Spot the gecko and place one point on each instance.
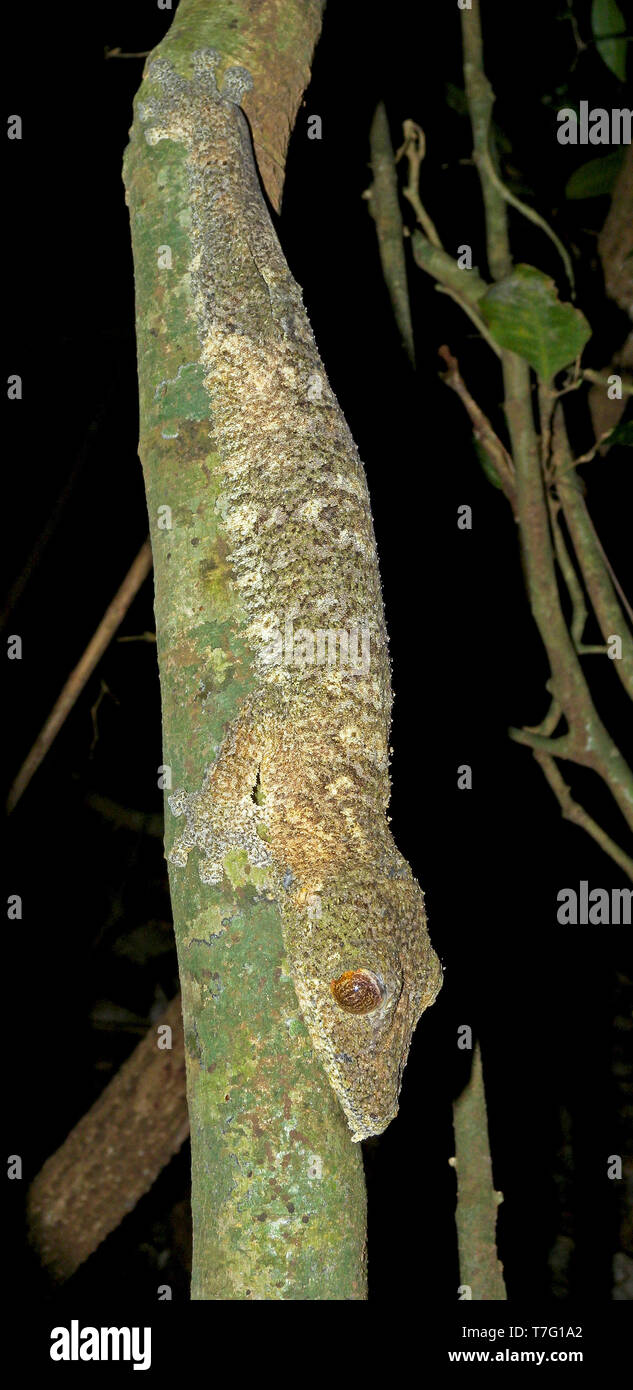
(301, 780)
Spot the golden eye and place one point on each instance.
(357, 991)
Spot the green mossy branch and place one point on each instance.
(384, 205)
(277, 1186)
(480, 1270)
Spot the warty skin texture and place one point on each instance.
(301, 782)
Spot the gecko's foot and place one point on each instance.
(216, 826)
(169, 94)
(205, 64)
(235, 83)
(179, 852)
(178, 801)
(236, 80)
(177, 104)
(210, 870)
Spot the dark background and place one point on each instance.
(92, 961)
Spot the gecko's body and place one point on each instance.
(301, 781)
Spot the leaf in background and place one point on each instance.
(487, 464)
(525, 315)
(596, 177)
(607, 18)
(456, 99)
(622, 434)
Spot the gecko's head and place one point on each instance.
(364, 970)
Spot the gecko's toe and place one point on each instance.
(210, 871)
(236, 82)
(179, 853)
(160, 70)
(205, 62)
(258, 855)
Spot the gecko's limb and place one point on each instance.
(226, 813)
(176, 107)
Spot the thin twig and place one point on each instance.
(482, 429)
(529, 213)
(384, 205)
(473, 316)
(112, 617)
(590, 454)
(550, 723)
(477, 1202)
(588, 742)
(117, 53)
(561, 747)
(414, 149)
(466, 287)
(599, 380)
(574, 587)
(575, 813)
(609, 603)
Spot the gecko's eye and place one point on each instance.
(357, 991)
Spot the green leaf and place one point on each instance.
(487, 464)
(607, 18)
(456, 99)
(525, 315)
(596, 177)
(622, 434)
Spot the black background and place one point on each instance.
(82, 982)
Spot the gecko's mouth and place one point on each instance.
(370, 1107)
(364, 1125)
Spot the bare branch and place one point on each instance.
(477, 1201)
(384, 205)
(111, 620)
(113, 1155)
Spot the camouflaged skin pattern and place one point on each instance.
(301, 782)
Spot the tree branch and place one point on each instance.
(575, 813)
(113, 1155)
(477, 1202)
(111, 620)
(588, 742)
(278, 1196)
(384, 205)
